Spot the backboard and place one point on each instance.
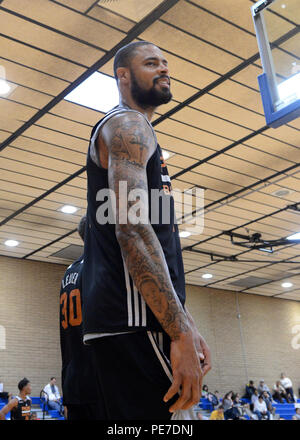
(278, 36)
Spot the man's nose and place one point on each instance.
(163, 69)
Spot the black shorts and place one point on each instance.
(134, 374)
(91, 411)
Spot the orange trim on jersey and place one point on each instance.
(63, 300)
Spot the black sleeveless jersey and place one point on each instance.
(23, 410)
(112, 303)
(78, 374)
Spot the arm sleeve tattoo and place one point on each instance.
(130, 142)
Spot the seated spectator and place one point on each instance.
(260, 408)
(288, 386)
(227, 401)
(268, 401)
(217, 394)
(250, 388)
(242, 407)
(279, 392)
(218, 413)
(233, 413)
(236, 398)
(254, 398)
(53, 396)
(263, 387)
(214, 399)
(297, 414)
(204, 391)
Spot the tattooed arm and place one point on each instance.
(130, 143)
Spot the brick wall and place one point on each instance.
(259, 345)
(29, 314)
(29, 305)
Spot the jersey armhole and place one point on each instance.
(93, 151)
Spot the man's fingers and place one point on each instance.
(195, 397)
(206, 363)
(205, 368)
(185, 396)
(174, 389)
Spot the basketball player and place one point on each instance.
(150, 355)
(19, 406)
(79, 384)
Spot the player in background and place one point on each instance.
(79, 383)
(19, 406)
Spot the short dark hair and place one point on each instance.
(81, 227)
(53, 378)
(23, 383)
(126, 53)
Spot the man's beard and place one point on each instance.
(151, 97)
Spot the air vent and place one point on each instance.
(71, 252)
(249, 282)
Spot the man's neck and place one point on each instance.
(130, 103)
(22, 395)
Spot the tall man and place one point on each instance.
(151, 357)
(79, 383)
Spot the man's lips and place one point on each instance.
(164, 82)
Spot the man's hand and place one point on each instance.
(187, 373)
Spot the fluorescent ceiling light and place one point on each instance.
(294, 236)
(289, 90)
(68, 209)
(4, 87)
(11, 243)
(286, 285)
(207, 275)
(184, 234)
(98, 91)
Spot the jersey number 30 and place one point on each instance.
(75, 313)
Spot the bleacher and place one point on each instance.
(282, 410)
(38, 408)
(285, 410)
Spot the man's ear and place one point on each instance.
(123, 74)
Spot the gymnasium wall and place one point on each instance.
(261, 344)
(29, 305)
